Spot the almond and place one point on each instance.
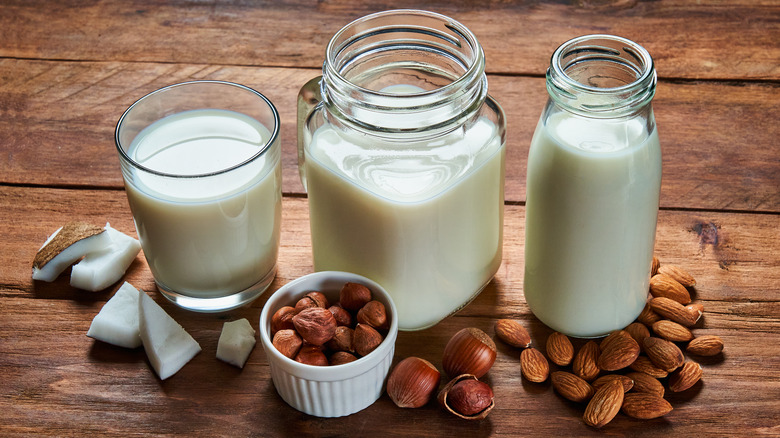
(707, 345)
(696, 310)
(665, 286)
(571, 387)
(645, 406)
(627, 382)
(643, 364)
(638, 331)
(664, 354)
(685, 377)
(513, 333)
(678, 274)
(671, 331)
(604, 405)
(534, 365)
(644, 382)
(673, 310)
(559, 349)
(654, 266)
(648, 316)
(585, 364)
(621, 351)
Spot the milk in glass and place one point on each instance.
(206, 237)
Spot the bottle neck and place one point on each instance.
(601, 76)
(404, 72)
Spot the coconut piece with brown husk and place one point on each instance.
(67, 245)
(100, 269)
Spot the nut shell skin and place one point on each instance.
(353, 296)
(412, 382)
(315, 325)
(469, 351)
(444, 398)
(365, 339)
(282, 319)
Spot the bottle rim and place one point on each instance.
(594, 100)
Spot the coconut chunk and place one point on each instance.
(100, 269)
(236, 342)
(63, 248)
(168, 346)
(117, 321)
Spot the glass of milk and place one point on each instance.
(401, 150)
(593, 183)
(202, 172)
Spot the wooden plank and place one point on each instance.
(518, 37)
(57, 381)
(718, 139)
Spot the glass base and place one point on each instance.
(218, 304)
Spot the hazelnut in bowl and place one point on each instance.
(329, 338)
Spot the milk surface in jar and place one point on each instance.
(206, 238)
(403, 161)
(593, 185)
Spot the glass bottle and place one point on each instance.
(401, 151)
(593, 184)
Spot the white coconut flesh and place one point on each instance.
(102, 268)
(168, 346)
(236, 342)
(117, 321)
(67, 245)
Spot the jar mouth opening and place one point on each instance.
(624, 64)
(441, 39)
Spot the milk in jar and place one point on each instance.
(593, 186)
(401, 151)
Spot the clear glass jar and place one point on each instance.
(593, 184)
(401, 151)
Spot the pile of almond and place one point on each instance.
(627, 370)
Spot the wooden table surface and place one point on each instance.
(68, 70)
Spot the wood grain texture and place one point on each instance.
(57, 381)
(687, 39)
(68, 69)
(718, 139)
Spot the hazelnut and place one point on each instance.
(305, 303)
(341, 357)
(366, 339)
(342, 339)
(373, 314)
(315, 325)
(412, 382)
(469, 351)
(353, 296)
(311, 355)
(287, 342)
(319, 298)
(343, 318)
(282, 319)
(466, 397)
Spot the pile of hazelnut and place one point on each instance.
(468, 356)
(314, 332)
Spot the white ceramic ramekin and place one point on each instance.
(328, 391)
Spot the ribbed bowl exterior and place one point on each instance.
(332, 398)
(331, 391)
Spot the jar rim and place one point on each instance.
(637, 52)
(339, 42)
(601, 59)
